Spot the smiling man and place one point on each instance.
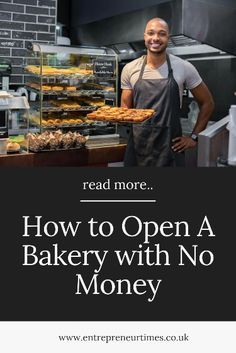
(156, 81)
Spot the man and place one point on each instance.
(156, 82)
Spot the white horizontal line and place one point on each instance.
(144, 201)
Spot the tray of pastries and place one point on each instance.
(57, 71)
(62, 122)
(65, 105)
(51, 88)
(56, 140)
(121, 115)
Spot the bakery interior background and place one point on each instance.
(202, 32)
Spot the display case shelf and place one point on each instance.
(73, 93)
(61, 110)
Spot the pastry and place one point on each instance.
(78, 121)
(57, 88)
(50, 122)
(58, 121)
(46, 88)
(70, 88)
(13, 147)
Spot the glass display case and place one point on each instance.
(66, 83)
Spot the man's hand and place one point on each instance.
(183, 143)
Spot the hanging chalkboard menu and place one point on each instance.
(104, 68)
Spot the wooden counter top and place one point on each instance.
(96, 156)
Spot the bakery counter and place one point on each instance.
(85, 157)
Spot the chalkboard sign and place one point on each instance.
(110, 101)
(104, 68)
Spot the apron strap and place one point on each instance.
(170, 70)
(143, 67)
(169, 66)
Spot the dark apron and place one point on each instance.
(150, 143)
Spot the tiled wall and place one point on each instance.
(23, 21)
